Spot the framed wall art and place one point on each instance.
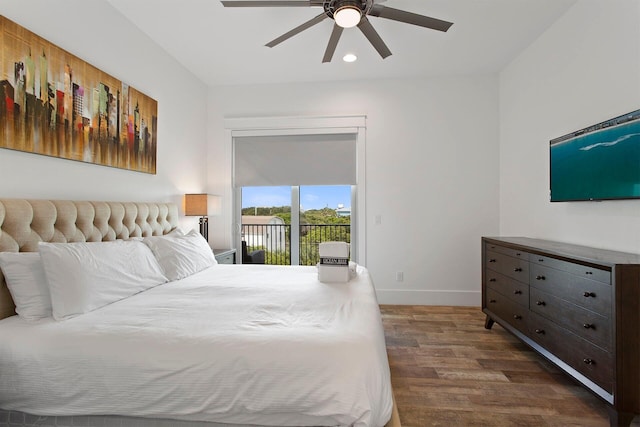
(55, 104)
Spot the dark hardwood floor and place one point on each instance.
(448, 370)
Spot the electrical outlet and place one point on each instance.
(399, 276)
(378, 219)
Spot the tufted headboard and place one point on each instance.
(24, 223)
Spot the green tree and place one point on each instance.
(266, 211)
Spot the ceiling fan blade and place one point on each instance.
(268, 3)
(298, 29)
(409, 18)
(333, 43)
(374, 38)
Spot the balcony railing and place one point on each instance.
(275, 240)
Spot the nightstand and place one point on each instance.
(225, 256)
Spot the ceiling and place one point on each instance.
(225, 46)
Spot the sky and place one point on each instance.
(311, 197)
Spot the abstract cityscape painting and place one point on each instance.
(54, 103)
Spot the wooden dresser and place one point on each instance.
(577, 306)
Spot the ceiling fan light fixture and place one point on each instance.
(347, 16)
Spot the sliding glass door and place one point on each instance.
(289, 222)
(318, 171)
(265, 223)
(325, 216)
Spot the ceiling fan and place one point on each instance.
(346, 14)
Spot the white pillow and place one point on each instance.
(27, 284)
(85, 276)
(181, 256)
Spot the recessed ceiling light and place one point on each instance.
(349, 57)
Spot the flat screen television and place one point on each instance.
(600, 162)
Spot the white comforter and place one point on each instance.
(238, 344)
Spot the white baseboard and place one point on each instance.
(439, 297)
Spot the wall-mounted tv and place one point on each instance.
(600, 162)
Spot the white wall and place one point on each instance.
(431, 173)
(448, 159)
(583, 70)
(98, 34)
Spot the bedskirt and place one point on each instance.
(21, 419)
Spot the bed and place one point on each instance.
(226, 345)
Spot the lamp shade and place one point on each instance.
(201, 205)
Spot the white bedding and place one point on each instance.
(244, 344)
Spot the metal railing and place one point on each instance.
(313, 234)
(275, 240)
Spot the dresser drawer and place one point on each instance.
(509, 266)
(507, 251)
(583, 311)
(590, 294)
(510, 288)
(507, 310)
(600, 275)
(587, 324)
(586, 358)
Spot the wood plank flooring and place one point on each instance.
(448, 370)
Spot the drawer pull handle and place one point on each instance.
(588, 272)
(541, 303)
(540, 259)
(589, 361)
(517, 316)
(518, 254)
(492, 300)
(517, 269)
(492, 260)
(517, 292)
(492, 280)
(589, 294)
(541, 278)
(588, 326)
(540, 331)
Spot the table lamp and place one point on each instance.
(202, 205)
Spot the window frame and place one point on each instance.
(272, 126)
